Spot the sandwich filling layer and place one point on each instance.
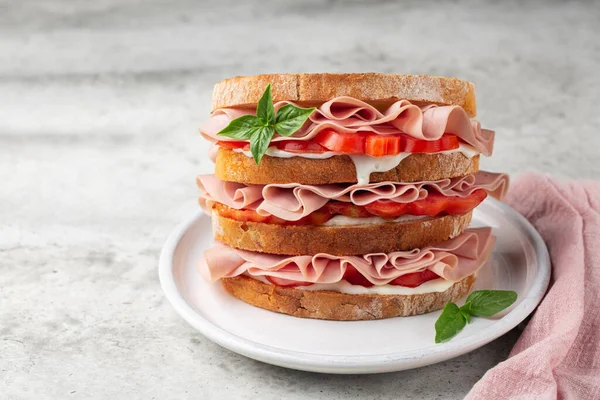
(343, 286)
(450, 260)
(334, 120)
(343, 220)
(318, 204)
(365, 165)
(235, 166)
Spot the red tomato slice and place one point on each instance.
(286, 282)
(434, 204)
(346, 209)
(297, 146)
(387, 208)
(349, 143)
(246, 215)
(358, 143)
(234, 145)
(318, 217)
(409, 280)
(383, 145)
(414, 279)
(463, 205)
(446, 142)
(356, 278)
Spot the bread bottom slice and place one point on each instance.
(338, 240)
(341, 306)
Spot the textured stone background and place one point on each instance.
(99, 108)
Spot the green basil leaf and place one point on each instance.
(242, 127)
(466, 313)
(264, 110)
(291, 118)
(259, 142)
(485, 303)
(450, 322)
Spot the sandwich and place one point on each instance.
(346, 196)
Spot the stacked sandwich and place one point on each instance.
(346, 196)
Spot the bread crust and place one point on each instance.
(337, 240)
(381, 90)
(341, 306)
(236, 167)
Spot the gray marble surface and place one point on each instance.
(99, 108)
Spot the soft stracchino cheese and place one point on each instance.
(343, 286)
(342, 220)
(275, 152)
(364, 164)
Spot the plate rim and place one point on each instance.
(355, 363)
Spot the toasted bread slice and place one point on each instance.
(236, 167)
(338, 240)
(341, 306)
(380, 90)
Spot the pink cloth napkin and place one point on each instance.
(558, 353)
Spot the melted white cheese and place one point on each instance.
(435, 285)
(366, 165)
(275, 152)
(342, 220)
(467, 150)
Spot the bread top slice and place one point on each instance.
(380, 90)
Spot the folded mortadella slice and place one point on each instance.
(453, 260)
(232, 194)
(292, 202)
(350, 115)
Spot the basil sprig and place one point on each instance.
(481, 303)
(260, 128)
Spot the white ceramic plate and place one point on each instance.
(520, 262)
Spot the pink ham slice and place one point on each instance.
(452, 260)
(292, 202)
(350, 115)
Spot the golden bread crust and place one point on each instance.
(340, 306)
(236, 167)
(381, 90)
(338, 240)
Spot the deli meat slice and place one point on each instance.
(452, 260)
(350, 115)
(292, 202)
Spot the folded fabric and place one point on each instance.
(558, 353)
